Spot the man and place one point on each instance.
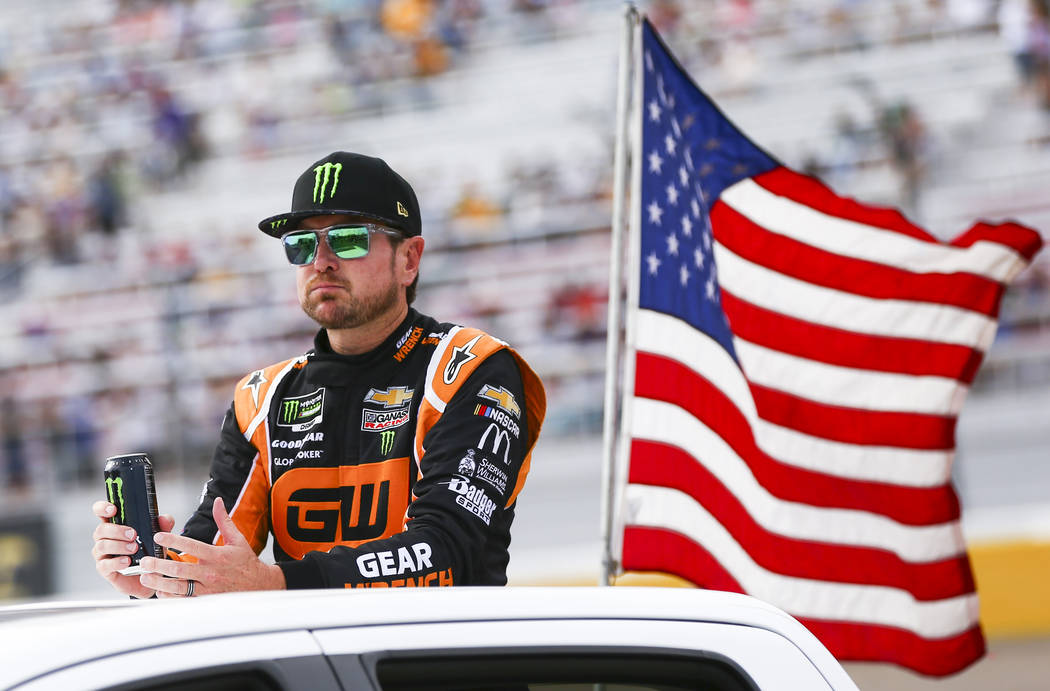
(391, 454)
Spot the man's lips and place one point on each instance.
(326, 286)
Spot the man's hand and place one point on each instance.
(225, 568)
(114, 543)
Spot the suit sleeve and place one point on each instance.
(235, 475)
(459, 519)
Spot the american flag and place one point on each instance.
(800, 361)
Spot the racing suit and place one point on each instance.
(396, 467)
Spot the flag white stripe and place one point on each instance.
(665, 422)
(849, 386)
(828, 307)
(662, 507)
(784, 216)
(905, 467)
(669, 337)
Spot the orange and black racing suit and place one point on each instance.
(397, 467)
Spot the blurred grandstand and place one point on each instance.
(141, 141)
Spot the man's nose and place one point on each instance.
(325, 259)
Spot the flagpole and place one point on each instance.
(614, 318)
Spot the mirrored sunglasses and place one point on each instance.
(347, 241)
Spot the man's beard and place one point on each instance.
(350, 311)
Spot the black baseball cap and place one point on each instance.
(347, 183)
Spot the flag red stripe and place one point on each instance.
(815, 194)
(857, 276)
(854, 425)
(664, 465)
(655, 549)
(847, 348)
(872, 643)
(1024, 241)
(707, 403)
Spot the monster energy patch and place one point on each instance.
(301, 412)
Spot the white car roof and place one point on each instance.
(45, 637)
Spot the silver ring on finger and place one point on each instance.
(190, 587)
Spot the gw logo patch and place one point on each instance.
(302, 412)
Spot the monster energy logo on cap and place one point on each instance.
(301, 412)
(386, 441)
(321, 176)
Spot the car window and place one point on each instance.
(763, 658)
(209, 680)
(278, 661)
(613, 669)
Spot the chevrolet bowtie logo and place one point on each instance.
(503, 398)
(390, 398)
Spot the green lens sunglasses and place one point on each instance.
(347, 241)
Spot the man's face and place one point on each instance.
(346, 293)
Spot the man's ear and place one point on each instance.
(411, 253)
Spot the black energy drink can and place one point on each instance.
(130, 487)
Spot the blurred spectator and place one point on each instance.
(16, 465)
(406, 19)
(905, 137)
(178, 136)
(474, 215)
(1039, 49)
(107, 196)
(577, 311)
(65, 211)
(664, 15)
(1024, 26)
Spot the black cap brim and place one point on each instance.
(276, 226)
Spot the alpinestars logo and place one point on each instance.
(302, 412)
(322, 174)
(461, 355)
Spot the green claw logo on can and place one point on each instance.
(115, 489)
